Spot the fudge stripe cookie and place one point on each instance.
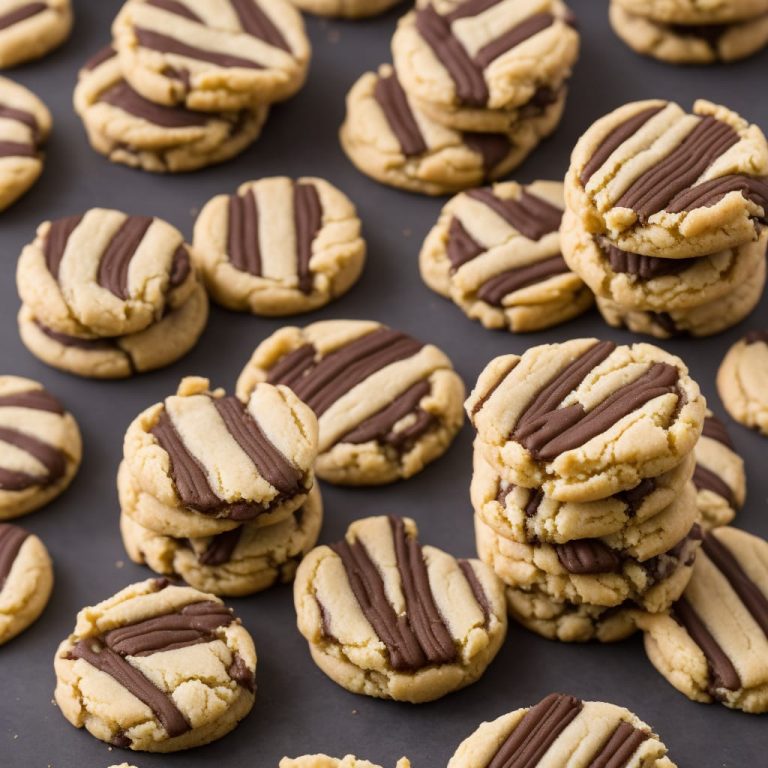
(30, 30)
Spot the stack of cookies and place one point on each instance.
(476, 85)
(107, 295)
(665, 215)
(581, 487)
(187, 84)
(219, 491)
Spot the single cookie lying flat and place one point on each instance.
(741, 381)
(30, 30)
(386, 617)
(323, 761)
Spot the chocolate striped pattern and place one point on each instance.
(10, 146)
(12, 539)
(705, 478)
(21, 13)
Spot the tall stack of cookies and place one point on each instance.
(187, 84)
(665, 215)
(581, 487)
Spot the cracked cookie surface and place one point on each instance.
(741, 381)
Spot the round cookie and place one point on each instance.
(345, 9)
(323, 761)
(40, 446)
(156, 668)
(239, 562)
(484, 54)
(26, 580)
(215, 55)
(389, 139)
(741, 381)
(495, 252)
(278, 246)
(713, 644)
(657, 284)
(585, 419)
(696, 11)
(387, 404)
(30, 30)
(117, 357)
(386, 617)
(719, 477)
(689, 44)
(104, 273)
(625, 179)
(210, 461)
(562, 730)
(131, 130)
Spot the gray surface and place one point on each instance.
(298, 709)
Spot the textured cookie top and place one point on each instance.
(323, 761)
(30, 29)
(705, 12)
(562, 730)
(484, 53)
(25, 123)
(741, 380)
(104, 273)
(220, 456)
(660, 182)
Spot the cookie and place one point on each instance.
(527, 516)
(156, 668)
(719, 477)
(40, 446)
(713, 644)
(657, 284)
(562, 730)
(585, 419)
(689, 44)
(117, 357)
(25, 123)
(741, 381)
(104, 273)
(695, 11)
(387, 404)
(386, 617)
(129, 129)
(495, 252)
(389, 139)
(703, 320)
(625, 179)
(215, 55)
(239, 562)
(278, 246)
(26, 580)
(30, 30)
(323, 761)
(345, 9)
(486, 54)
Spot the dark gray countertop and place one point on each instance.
(298, 709)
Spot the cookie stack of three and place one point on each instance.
(665, 217)
(188, 84)
(581, 487)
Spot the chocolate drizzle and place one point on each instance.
(710, 192)
(640, 266)
(8, 112)
(634, 497)
(588, 556)
(17, 149)
(258, 24)
(116, 259)
(242, 674)
(394, 104)
(56, 240)
(50, 457)
(180, 267)
(493, 148)
(531, 26)
(36, 399)
(714, 429)
(461, 247)
(618, 750)
(91, 345)
(176, 7)
(11, 540)
(308, 219)
(477, 589)
(532, 216)
(243, 233)
(105, 54)
(21, 13)
(220, 548)
(123, 97)
(494, 291)
(706, 480)
(157, 41)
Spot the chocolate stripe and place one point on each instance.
(494, 291)
(270, 463)
(22, 13)
(92, 345)
(11, 539)
(716, 430)
(156, 41)
(20, 116)
(105, 54)
(706, 480)
(493, 148)
(530, 215)
(116, 259)
(257, 24)
(177, 8)
(239, 671)
(644, 267)
(50, 457)
(220, 548)
(56, 241)
(308, 219)
(618, 750)
(634, 497)
(394, 104)
(17, 149)
(291, 368)
(470, 8)
(710, 192)
(123, 97)
(587, 556)
(243, 233)
(461, 246)
(35, 399)
(180, 267)
(513, 37)
(477, 589)
(536, 732)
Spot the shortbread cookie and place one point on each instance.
(214, 55)
(659, 182)
(278, 246)
(387, 404)
(104, 273)
(156, 668)
(389, 139)
(25, 123)
(129, 129)
(323, 761)
(689, 44)
(386, 617)
(713, 644)
(30, 30)
(741, 381)
(117, 357)
(585, 419)
(239, 562)
(207, 457)
(487, 54)
(40, 446)
(528, 516)
(719, 477)
(495, 252)
(345, 9)
(26, 580)
(657, 284)
(705, 12)
(562, 730)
